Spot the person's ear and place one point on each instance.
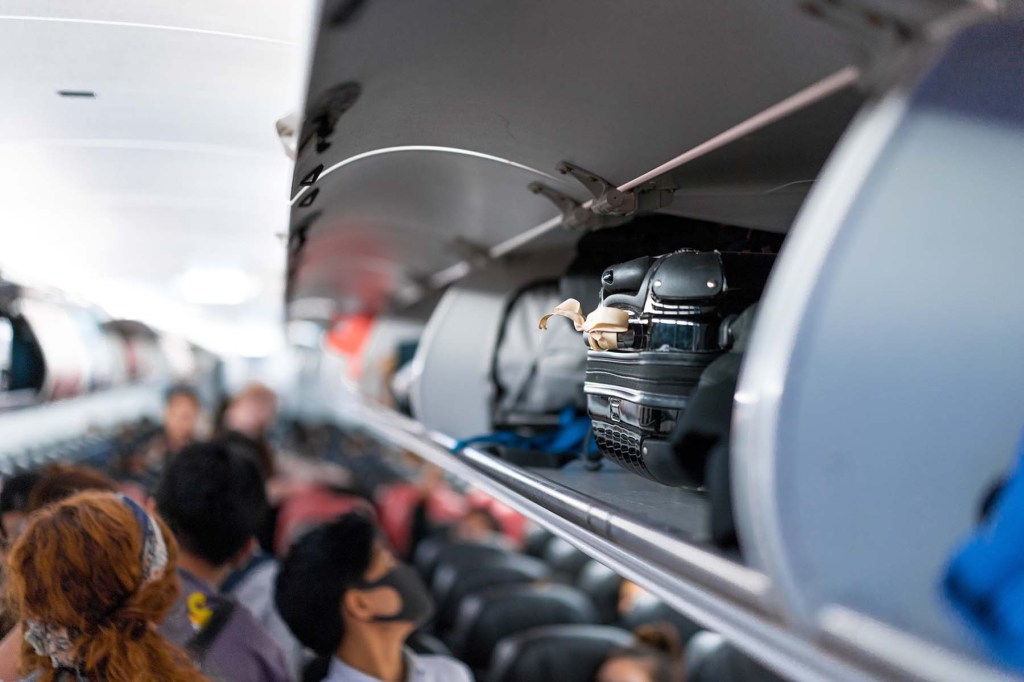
(356, 605)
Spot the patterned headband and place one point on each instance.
(154, 546)
(58, 642)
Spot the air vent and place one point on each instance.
(80, 94)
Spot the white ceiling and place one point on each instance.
(174, 166)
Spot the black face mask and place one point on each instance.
(417, 605)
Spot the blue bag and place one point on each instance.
(984, 581)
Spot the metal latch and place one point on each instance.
(574, 215)
(615, 409)
(610, 200)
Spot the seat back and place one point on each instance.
(454, 582)
(425, 555)
(710, 658)
(426, 643)
(488, 616)
(602, 584)
(434, 552)
(303, 511)
(556, 653)
(396, 505)
(535, 543)
(565, 560)
(650, 611)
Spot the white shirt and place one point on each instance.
(418, 669)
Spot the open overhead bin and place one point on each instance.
(472, 146)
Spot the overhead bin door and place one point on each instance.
(426, 122)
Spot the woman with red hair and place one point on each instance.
(91, 578)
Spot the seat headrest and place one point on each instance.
(536, 542)
(453, 582)
(488, 616)
(602, 584)
(709, 658)
(425, 643)
(556, 653)
(425, 556)
(650, 611)
(433, 552)
(565, 560)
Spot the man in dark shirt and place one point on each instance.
(213, 500)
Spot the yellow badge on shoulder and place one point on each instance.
(198, 612)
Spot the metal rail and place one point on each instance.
(720, 594)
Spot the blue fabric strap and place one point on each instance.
(570, 436)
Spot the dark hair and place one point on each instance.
(181, 391)
(657, 649)
(60, 481)
(256, 451)
(213, 499)
(320, 567)
(16, 490)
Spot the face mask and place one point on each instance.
(417, 606)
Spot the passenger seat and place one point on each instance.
(453, 582)
(536, 541)
(565, 560)
(710, 658)
(555, 653)
(435, 552)
(651, 611)
(487, 617)
(603, 585)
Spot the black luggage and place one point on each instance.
(682, 307)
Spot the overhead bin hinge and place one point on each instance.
(610, 200)
(574, 215)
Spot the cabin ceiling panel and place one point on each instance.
(172, 164)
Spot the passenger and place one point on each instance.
(245, 425)
(476, 524)
(92, 576)
(655, 657)
(251, 414)
(631, 595)
(180, 426)
(344, 595)
(61, 481)
(14, 503)
(213, 501)
(252, 584)
(13, 511)
(55, 484)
